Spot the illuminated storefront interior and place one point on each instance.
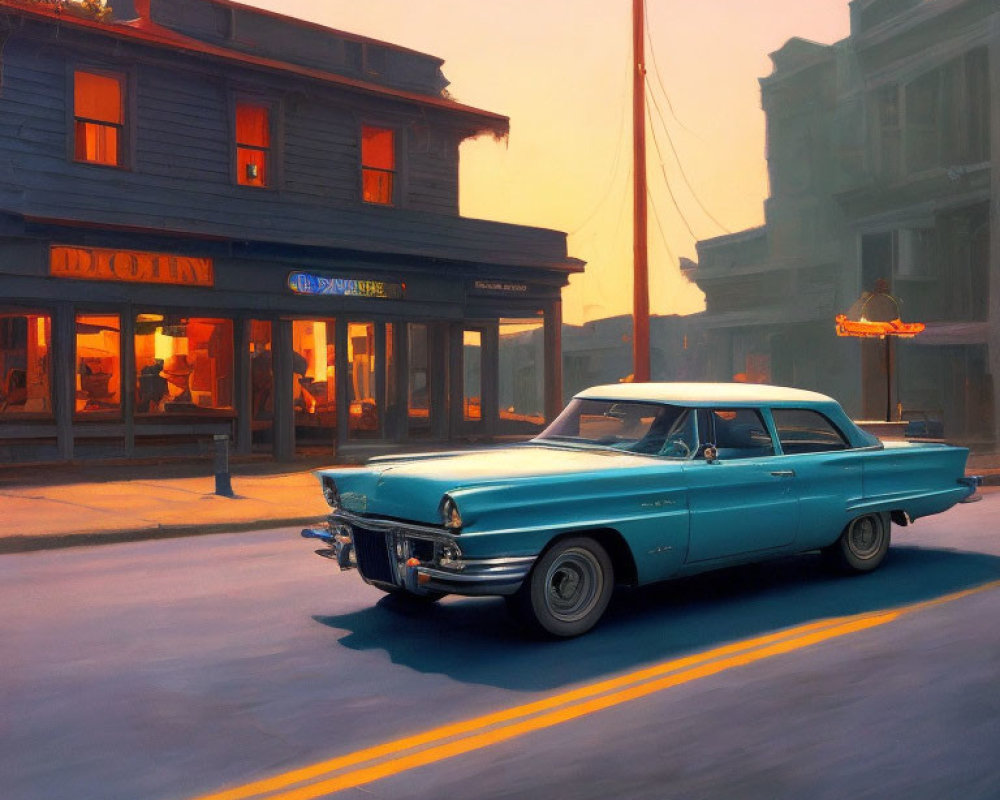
(25, 366)
(98, 365)
(184, 365)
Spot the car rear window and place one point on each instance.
(802, 430)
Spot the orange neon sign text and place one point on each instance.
(90, 263)
(865, 328)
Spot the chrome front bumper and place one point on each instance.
(420, 559)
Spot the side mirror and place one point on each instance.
(711, 453)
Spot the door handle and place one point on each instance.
(784, 473)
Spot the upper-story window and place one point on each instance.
(99, 117)
(378, 165)
(940, 119)
(253, 144)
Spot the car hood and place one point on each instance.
(412, 488)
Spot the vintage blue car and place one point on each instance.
(631, 484)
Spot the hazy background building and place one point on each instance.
(881, 152)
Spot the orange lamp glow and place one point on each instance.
(868, 329)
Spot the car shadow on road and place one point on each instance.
(473, 640)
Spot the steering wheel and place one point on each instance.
(676, 447)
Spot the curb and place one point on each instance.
(29, 544)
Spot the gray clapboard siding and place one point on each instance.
(180, 178)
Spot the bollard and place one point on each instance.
(223, 484)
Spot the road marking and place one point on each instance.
(381, 761)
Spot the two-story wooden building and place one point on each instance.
(215, 219)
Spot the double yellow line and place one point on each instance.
(391, 758)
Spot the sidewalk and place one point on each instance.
(76, 505)
(69, 505)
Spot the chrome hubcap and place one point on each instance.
(573, 585)
(865, 535)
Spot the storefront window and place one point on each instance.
(522, 373)
(25, 369)
(98, 364)
(418, 380)
(361, 362)
(183, 364)
(391, 416)
(314, 388)
(472, 375)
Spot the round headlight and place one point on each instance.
(450, 517)
(330, 493)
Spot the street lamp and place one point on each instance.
(875, 315)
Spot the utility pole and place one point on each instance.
(640, 284)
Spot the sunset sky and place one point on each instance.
(560, 70)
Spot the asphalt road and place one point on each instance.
(175, 669)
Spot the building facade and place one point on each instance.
(882, 152)
(218, 220)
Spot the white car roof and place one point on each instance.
(704, 393)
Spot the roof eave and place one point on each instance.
(145, 32)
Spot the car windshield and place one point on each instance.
(650, 428)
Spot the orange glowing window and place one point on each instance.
(253, 144)
(99, 114)
(378, 164)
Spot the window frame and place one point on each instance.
(845, 441)
(133, 377)
(273, 168)
(126, 81)
(395, 191)
(766, 426)
(118, 414)
(31, 417)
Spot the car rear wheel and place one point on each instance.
(863, 544)
(568, 589)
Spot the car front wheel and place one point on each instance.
(863, 544)
(568, 589)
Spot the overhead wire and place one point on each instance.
(620, 138)
(680, 166)
(666, 181)
(607, 256)
(666, 131)
(659, 225)
(656, 70)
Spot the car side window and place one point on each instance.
(802, 430)
(738, 433)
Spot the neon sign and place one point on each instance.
(869, 329)
(309, 283)
(133, 266)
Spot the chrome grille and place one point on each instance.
(372, 553)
